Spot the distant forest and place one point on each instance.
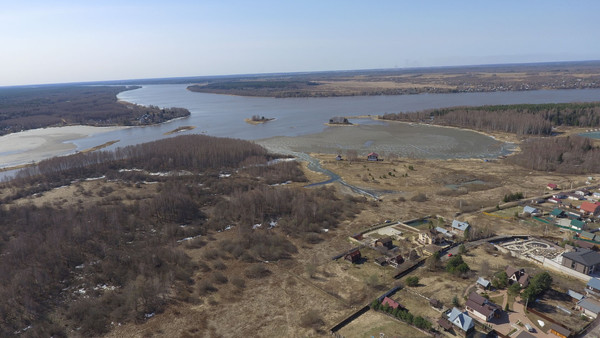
(276, 88)
(75, 269)
(520, 119)
(23, 108)
(571, 154)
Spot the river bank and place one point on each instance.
(37, 144)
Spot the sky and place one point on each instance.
(73, 41)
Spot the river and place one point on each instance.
(223, 115)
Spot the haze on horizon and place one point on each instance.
(73, 41)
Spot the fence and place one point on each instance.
(349, 319)
(548, 263)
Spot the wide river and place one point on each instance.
(223, 115)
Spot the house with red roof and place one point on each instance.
(373, 157)
(590, 208)
(552, 186)
(391, 303)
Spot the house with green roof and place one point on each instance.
(577, 225)
(557, 213)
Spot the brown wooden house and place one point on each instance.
(353, 256)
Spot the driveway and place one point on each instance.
(508, 321)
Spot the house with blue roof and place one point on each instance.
(461, 320)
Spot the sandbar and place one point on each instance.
(38, 144)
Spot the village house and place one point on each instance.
(559, 196)
(577, 225)
(596, 195)
(588, 236)
(395, 260)
(554, 200)
(460, 227)
(461, 320)
(338, 158)
(519, 276)
(531, 210)
(552, 186)
(588, 307)
(431, 236)
(590, 208)
(353, 256)
(385, 242)
(557, 213)
(391, 303)
(373, 157)
(593, 287)
(582, 260)
(479, 307)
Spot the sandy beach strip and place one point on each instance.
(38, 144)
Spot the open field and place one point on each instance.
(372, 324)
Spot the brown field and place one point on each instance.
(373, 324)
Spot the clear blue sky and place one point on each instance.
(67, 41)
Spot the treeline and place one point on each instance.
(76, 267)
(521, 119)
(193, 153)
(36, 107)
(571, 154)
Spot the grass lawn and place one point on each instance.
(372, 324)
(510, 212)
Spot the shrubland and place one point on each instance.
(78, 267)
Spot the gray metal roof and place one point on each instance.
(460, 319)
(462, 226)
(590, 305)
(594, 283)
(575, 295)
(584, 256)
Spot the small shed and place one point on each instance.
(338, 158)
(445, 324)
(483, 283)
(373, 157)
(435, 303)
(381, 261)
(353, 256)
(575, 296)
(559, 331)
